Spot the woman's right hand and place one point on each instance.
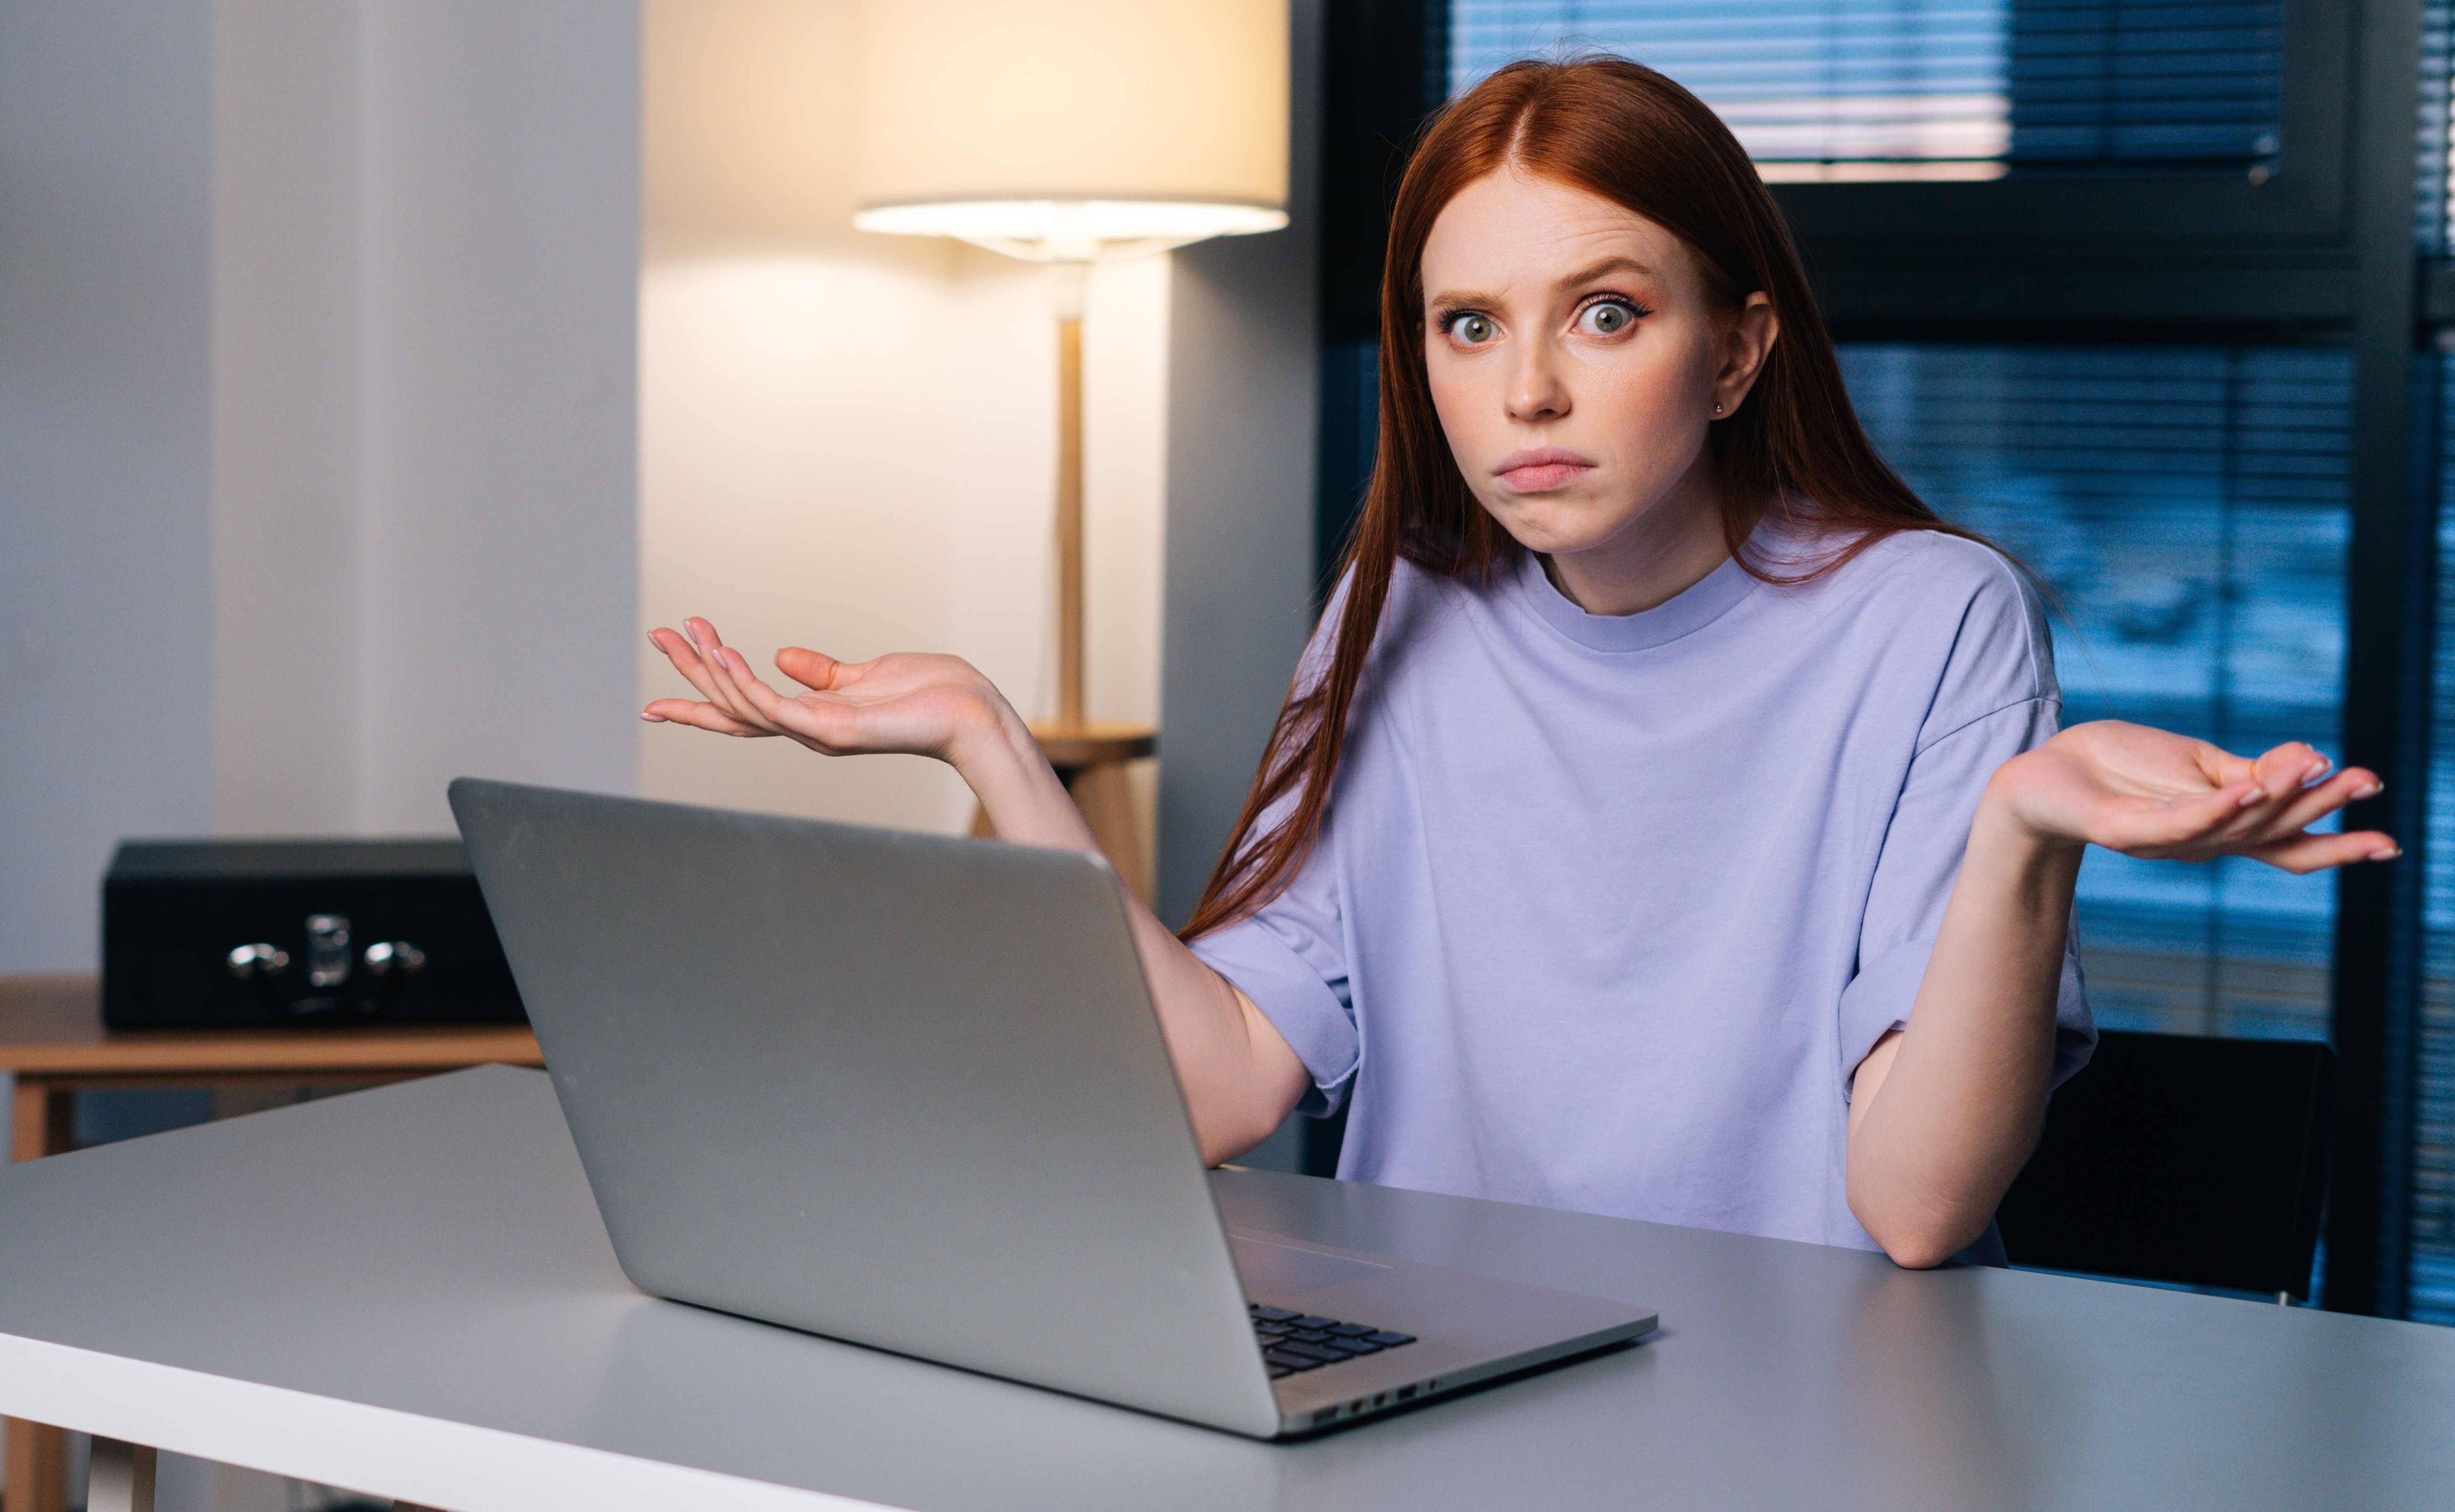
(921, 704)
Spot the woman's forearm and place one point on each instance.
(1943, 1117)
(1239, 1075)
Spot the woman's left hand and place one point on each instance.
(2159, 796)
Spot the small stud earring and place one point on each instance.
(1717, 408)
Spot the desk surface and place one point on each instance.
(52, 1026)
(399, 1266)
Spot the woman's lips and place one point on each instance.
(1543, 478)
(1541, 469)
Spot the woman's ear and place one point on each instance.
(1747, 341)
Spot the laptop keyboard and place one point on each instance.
(1296, 1342)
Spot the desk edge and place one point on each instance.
(380, 1451)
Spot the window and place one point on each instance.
(1935, 88)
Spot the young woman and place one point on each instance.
(1669, 819)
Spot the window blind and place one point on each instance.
(2188, 509)
(1934, 89)
(2431, 1210)
(2433, 202)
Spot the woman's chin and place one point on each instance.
(1550, 527)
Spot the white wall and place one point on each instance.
(286, 397)
(425, 430)
(106, 493)
(317, 408)
(848, 440)
(498, 475)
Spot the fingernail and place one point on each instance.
(2387, 854)
(2369, 790)
(2253, 797)
(2318, 769)
(652, 718)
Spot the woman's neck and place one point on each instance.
(1659, 554)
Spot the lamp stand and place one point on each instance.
(1090, 757)
(1069, 514)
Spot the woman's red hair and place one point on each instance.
(1792, 449)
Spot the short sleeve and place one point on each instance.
(1290, 955)
(1998, 700)
(1291, 958)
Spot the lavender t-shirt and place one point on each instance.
(1608, 908)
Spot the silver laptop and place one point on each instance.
(908, 1090)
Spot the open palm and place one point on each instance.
(905, 702)
(2151, 794)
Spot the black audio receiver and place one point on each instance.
(217, 933)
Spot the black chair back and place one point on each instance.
(2174, 1158)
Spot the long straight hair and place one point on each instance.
(1794, 450)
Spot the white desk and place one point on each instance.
(407, 1291)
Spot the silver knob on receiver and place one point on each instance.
(387, 956)
(248, 959)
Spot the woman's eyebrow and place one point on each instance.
(1617, 264)
(1470, 298)
(1461, 296)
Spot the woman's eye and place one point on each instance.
(1607, 318)
(1471, 328)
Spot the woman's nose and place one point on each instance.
(1535, 391)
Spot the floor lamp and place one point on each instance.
(1069, 133)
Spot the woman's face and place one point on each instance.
(1575, 360)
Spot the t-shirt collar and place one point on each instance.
(1702, 602)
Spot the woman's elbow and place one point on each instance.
(1921, 1238)
(1918, 1252)
(1217, 1147)
(1222, 1133)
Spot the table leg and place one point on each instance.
(1105, 794)
(1105, 798)
(41, 1120)
(37, 1454)
(38, 1468)
(122, 1479)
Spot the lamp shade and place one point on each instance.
(1063, 129)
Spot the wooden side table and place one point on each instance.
(53, 1040)
(1090, 759)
